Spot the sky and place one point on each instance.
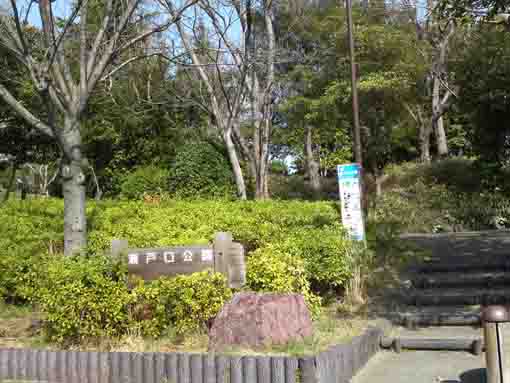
(62, 8)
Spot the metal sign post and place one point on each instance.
(496, 326)
(349, 184)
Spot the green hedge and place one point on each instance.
(309, 230)
(82, 298)
(185, 303)
(87, 298)
(291, 246)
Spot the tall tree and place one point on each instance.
(439, 35)
(238, 74)
(66, 84)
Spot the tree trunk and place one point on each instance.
(236, 165)
(440, 102)
(312, 167)
(260, 183)
(380, 178)
(442, 142)
(424, 140)
(12, 180)
(438, 123)
(262, 176)
(73, 187)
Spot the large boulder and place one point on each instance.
(256, 320)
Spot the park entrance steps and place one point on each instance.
(437, 304)
(462, 272)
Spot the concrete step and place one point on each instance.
(459, 296)
(414, 317)
(498, 262)
(398, 344)
(458, 279)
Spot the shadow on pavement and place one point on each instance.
(471, 376)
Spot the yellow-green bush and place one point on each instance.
(308, 230)
(28, 230)
(83, 298)
(271, 270)
(291, 246)
(185, 303)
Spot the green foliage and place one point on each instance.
(325, 269)
(20, 276)
(147, 180)
(452, 195)
(483, 77)
(272, 270)
(185, 303)
(311, 231)
(456, 174)
(279, 167)
(200, 170)
(291, 247)
(308, 230)
(83, 299)
(29, 229)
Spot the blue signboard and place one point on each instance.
(349, 185)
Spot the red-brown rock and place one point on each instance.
(255, 320)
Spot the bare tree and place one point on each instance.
(439, 37)
(238, 76)
(43, 173)
(65, 70)
(440, 93)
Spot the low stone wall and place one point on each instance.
(338, 364)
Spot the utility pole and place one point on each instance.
(354, 86)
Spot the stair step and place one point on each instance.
(456, 279)
(441, 297)
(476, 346)
(437, 320)
(499, 262)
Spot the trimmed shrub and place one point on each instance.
(28, 231)
(271, 270)
(200, 170)
(291, 246)
(147, 180)
(310, 231)
(19, 277)
(86, 299)
(83, 299)
(186, 302)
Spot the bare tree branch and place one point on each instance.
(25, 113)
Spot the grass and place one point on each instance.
(19, 327)
(333, 327)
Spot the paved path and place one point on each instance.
(423, 367)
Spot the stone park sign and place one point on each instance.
(224, 256)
